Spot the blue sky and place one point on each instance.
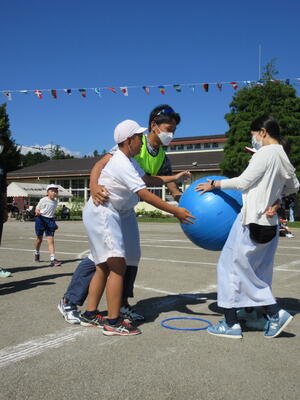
(92, 43)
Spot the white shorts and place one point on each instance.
(112, 233)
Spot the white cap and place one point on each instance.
(52, 186)
(127, 129)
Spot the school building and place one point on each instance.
(199, 154)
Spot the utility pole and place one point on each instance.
(259, 61)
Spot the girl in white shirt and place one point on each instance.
(126, 183)
(245, 267)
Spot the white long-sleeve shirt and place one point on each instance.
(268, 177)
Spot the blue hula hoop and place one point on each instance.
(185, 329)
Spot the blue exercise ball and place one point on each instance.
(215, 211)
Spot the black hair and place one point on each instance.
(272, 127)
(159, 116)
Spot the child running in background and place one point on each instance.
(126, 183)
(45, 223)
(245, 267)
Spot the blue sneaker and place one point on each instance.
(276, 325)
(259, 324)
(222, 329)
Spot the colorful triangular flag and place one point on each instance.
(287, 82)
(112, 89)
(205, 87)
(23, 91)
(54, 93)
(98, 91)
(68, 91)
(82, 92)
(38, 94)
(192, 87)
(147, 90)
(177, 88)
(259, 83)
(161, 89)
(219, 86)
(234, 85)
(124, 90)
(8, 95)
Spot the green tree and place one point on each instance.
(30, 159)
(11, 155)
(95, 153)
(273, 98)
(57, 153)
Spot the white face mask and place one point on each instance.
(165, 137)
(1, 148)
(256, 144)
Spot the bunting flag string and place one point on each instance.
(162, 88)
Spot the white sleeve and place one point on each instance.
(131, 178)
(139, 169)
(254, 171)
(291, 186)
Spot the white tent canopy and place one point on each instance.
(36, 190)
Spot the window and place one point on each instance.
(207, 145)
(180, 147)
(77, 184)
(79, 194)
(189, 147)
(65, 183)
(197, 146)
(215, 145)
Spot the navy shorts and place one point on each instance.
(45, 225)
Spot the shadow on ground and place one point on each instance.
(152, 307)
(11, 286)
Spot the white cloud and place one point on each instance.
(46, 150)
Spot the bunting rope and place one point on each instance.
(162, 88)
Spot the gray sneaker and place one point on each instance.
(69, 312)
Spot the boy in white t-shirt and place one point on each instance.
(126, 183)
(45, 223)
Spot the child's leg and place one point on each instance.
(97, 286)
(114, 287)
(38, 243)
(51, 249)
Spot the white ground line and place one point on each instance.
(206, 289)
(176, 261)
(279, 268)
(34, 347)
(290, 264)
(289, 247)
(32, 251)
(84, 254)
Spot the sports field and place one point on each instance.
(43, 357)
